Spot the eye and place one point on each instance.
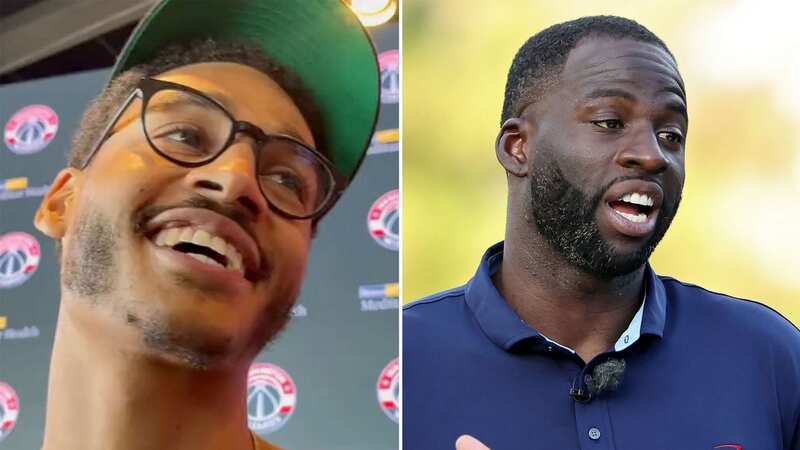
(610, 124)
(288, 180)
(185, 136)
(670, 136)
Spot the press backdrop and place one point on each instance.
(330, 381)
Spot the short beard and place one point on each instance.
(89, 265)
(90, 269)
(566, 217)
(192, 350)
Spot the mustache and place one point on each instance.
(229, 210)
(608, 185)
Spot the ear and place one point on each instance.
(510, 147)
(51, 217)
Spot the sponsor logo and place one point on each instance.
(9, 409)
(271, 398)
(389, 62)
(385, 141)
(379, 297)
(19, 258)
(30, 129)
(389, 390)
(16, 188)
(9, 334)
(383, 220)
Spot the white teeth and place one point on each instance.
(202, 237)
(638, 199)
(160, 239)
(636, 218)
(234, 258)
(205, 259)
(172, 236)
(218, 244)
(186, 235)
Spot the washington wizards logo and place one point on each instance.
(389, 390)
(271, 398)
(19, 257)
(383, 220)
(389, 62)
(9, 410)
(30, 129)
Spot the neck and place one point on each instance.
(563, 302)
(130, 400)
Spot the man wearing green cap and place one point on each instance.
(185, 217)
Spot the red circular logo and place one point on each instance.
(30, 129)
(383, 220)
(271, 397)
(19, 258)
(389, 390)
(389, 63)
(9, 409)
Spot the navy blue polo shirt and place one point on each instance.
(703, 371)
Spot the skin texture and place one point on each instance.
(155, 350)
(614, 123)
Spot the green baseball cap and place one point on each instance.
(321, 41)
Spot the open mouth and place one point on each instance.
(202, 246)
(631, 207)
(635, 207)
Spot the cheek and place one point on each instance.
(678, 174)
(290, 245)
(124, 176)
(581, 161)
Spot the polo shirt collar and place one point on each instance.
(505, 328)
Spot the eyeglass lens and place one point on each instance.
(189, 128)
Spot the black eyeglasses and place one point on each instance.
(190, 129)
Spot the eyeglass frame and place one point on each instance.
(147, 87)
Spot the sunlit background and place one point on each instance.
(737, 229)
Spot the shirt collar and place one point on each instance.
(505, 328)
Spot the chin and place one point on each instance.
(606, 262)
(199, 343)
(196, 346)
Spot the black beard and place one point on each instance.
(90, 265)
(565, 216)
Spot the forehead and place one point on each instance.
(602, 62)
(248, 94)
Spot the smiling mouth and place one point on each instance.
(634, 207)
(202, 246)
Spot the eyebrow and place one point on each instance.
(678, 107)
(672, 105)
(180, 100)
(220, 98)
(224, 101)
(291, 134)
(610, 92)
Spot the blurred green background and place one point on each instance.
(737, 228)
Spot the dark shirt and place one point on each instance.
(703, 371)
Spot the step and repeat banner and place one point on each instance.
(329, 381)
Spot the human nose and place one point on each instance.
(231, 178)
(642, 151)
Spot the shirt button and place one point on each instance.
(549, 348)
(594, 433)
